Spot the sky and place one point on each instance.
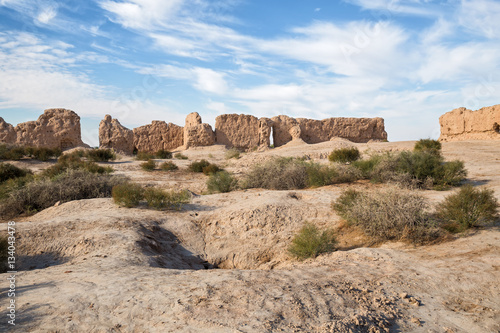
(408, 61)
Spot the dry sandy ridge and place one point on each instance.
(90, 266)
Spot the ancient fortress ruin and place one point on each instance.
(464, 124)
(55, 128)
(61, 128)
(239, 131)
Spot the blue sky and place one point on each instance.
(408, 61)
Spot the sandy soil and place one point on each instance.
(90, 266)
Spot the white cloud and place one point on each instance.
(203, 79)
(357, 48)
(47, 14)
(463, 62)
(37, 75)
(142, 14)
(481, 17)
(388, 8)
(210, 81)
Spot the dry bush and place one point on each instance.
(179, 156)
(222, 182)
(467, 208)
(74, 161)
(344, 155)
(232, 153)
(286, 173)
(168, 166)
(144, 156)
(310, 242)
(150, 165)
(43, 192)
(211, 169)
(391, 214)
(417, 169)
(346, 173)
(198, 166)
(159, 199)
(163, 154)
(127, 194)
(279, 173)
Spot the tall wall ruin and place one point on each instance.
(464, 124)
(61, 128)
(55, 128)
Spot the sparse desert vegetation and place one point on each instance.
(390, 214)
(169, 166)
(130, 195)
(344, 155)
(15, 153)
(269, 211)
(221, 182)
(44, 192)
(467, 208)
(149, 165)
(310, 242)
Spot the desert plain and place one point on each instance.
(220, 264)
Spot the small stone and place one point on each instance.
(416, 321)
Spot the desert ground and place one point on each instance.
(221, 265)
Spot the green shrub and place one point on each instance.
(42, 193)
(14, 184)
(4, 254)
(422, 169)
(429, 145)
(222, 182)
(127, 194)
(163, 154)
(42, 153)
(344, 155)
(19, 152)
(420, 164)
(159, 199)
(100, 155)
(9, 171)
(156, 198)
(178, 198)
(345, 202)
(144, 156)
(150, 165)
(469, 207)
(370, 167)
(211, 169)
(392, 214)
(168, 166)
(320, 175)
(14, 153)
(310, 242)
(198, 166)
(450, 174)
(346, 173)
(232, 153)
(179, 156)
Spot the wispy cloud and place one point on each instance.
(37, 74)
(46, 14)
